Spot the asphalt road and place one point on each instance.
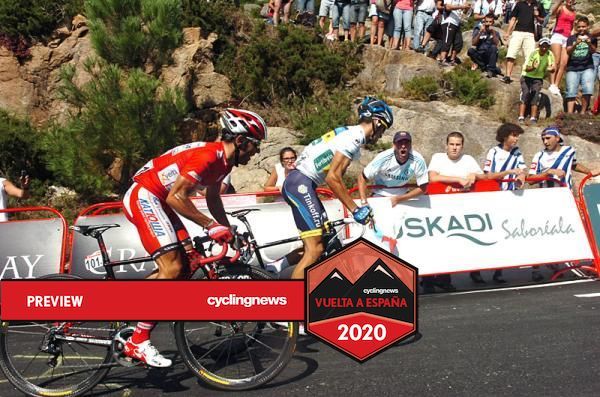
(532, 341)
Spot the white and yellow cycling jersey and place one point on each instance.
(316, 158)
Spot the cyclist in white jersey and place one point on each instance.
(557, 160)
(325, 160)
(394, 168)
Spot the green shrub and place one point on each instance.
(319, 114)
(35, 19)
(217, 16)
(20, 149)
(286, 64)
(469, 87)
(119, 115)
(422, 88)
(130, 33)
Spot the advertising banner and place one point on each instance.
(103, 300)
(30, 249)
(486, 230)
(591, 194)
(273, 222)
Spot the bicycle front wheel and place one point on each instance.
(55, 358)
(237, 355)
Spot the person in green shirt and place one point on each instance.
(539, 62)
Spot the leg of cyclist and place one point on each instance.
(313, 248)
(162, 235)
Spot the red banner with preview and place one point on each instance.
(159, 300)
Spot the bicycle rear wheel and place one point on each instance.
(51, 358)
(236, 355)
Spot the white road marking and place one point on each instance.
(595, 295)
(547, 285)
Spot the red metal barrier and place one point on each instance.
(58, 215)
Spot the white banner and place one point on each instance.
(461, 232)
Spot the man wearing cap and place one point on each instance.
(538, 64)
(556, 161)
(394, 168)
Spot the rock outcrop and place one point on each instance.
(30, 89)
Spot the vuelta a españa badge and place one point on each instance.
(362, 300)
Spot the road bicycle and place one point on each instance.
(61, 358)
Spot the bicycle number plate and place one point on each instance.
(93, 261)
(362, 300)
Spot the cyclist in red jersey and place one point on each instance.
(163, 186)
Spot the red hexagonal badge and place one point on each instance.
(361, 300)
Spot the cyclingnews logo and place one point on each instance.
(362, 300)
(246, 301)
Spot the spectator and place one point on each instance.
(423, 19)
(403, 13)
(481, 9)
(540, 62)
(502, 157)
(546, 5)
(456, 168)
(434, 30)
(565, 18)
(341, 9)
(326, 12)
(485, 51)
(7, 188)
(287, 162)
(556, 161)
(580, 67)
(508, 6)
(596, 33)
(358, 16)
(279, 6)
(452, 38)
(306, 7)
(520, 33)
(394, 168)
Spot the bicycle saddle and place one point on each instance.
(93, 230)
(241, 213)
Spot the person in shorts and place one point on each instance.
(540, 62)
(580, 68)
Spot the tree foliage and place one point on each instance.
(131, 33)
(286, 64)
(19, 148)
(119, 115)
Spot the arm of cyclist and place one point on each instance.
(334, 180)
(362, 187)
(179, 200)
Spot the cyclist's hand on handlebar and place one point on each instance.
(219, 233)
(363, 215)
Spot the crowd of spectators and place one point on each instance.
(434, 27)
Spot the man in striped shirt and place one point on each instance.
(556, 161)
(507, 156)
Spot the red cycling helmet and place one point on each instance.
(244, 122)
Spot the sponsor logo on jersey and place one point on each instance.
(302, 189)
(168, 176)
(323, 161)
(151, 218)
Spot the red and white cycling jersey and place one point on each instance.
(202, 163)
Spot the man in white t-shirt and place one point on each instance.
(451, 28)
(7, 188)
(394, 168)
